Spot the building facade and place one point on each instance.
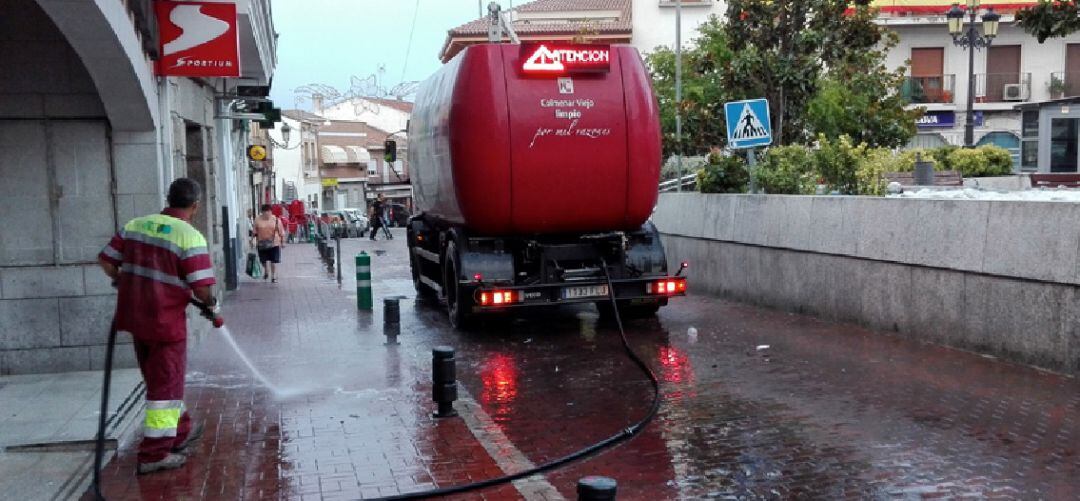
(654, 21)
(90, 137)
(1015, 69)
(296, 157)
(353, 168)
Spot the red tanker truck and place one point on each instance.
(534, 167)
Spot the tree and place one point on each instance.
(704, 91)
(785, 50)
(785, 47)
(864, 109)
(1050, 18)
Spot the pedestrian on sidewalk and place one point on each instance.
(378, 217)
(157, 262)
(269, 239)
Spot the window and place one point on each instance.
(399, 167)
(1029, 145)
(373, 168)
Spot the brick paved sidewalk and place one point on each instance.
(364, 430)
(827, 411)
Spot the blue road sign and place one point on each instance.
(748, 123)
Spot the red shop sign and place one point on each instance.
(198, 39)
(560, 58)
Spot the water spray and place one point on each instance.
(219, 324)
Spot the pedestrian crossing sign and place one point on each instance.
(748, 123)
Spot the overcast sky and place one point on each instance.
(327, 41)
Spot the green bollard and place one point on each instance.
(363, 281)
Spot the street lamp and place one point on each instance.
(968, 37)
(286, 133)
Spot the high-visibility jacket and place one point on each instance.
(160, 257)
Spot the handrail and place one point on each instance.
(687, 181)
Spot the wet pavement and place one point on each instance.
(827, 411)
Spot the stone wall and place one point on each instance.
(990, 276)
(71, 171)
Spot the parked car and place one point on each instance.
(359, 220)
(352, 225)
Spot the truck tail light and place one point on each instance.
(499, 298)
(668, 286)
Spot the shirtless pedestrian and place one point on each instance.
(269, 239)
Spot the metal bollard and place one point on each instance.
(391, 319)
(444, 380)
(595, 488)
(363, 281)
(391, 311)
(337, 259)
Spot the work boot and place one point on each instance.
(194, 435)
(171, 462)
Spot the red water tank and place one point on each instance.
(504, 150)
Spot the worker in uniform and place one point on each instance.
(157, 263)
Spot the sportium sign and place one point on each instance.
(198, 39)
(552, 59)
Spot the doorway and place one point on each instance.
(1064, 135)
(197, 169)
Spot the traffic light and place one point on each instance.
(390, 151)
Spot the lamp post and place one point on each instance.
(678, 97)
(968, 37)
(286, 133)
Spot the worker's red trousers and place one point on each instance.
(163, 366)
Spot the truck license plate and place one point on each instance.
(589, 291)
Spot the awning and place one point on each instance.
(357, 154)
(334, 155)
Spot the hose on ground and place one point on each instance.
(623, 434)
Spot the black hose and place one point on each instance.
(99, 447)
(623, 434)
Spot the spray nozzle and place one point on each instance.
(208, 312)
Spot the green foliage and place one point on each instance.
(988, 160)
(704, 90)
(1050, 18)
(941, 156)
(983, 161)
(905, 160)
(838, 162)
(870, 175)
(787, 170)
(723, 174)
(999, 162)
(969, 161)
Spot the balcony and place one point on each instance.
(937, 89)
(1064, 84)
(1002, 87)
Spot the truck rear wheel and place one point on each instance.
(457, 306)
